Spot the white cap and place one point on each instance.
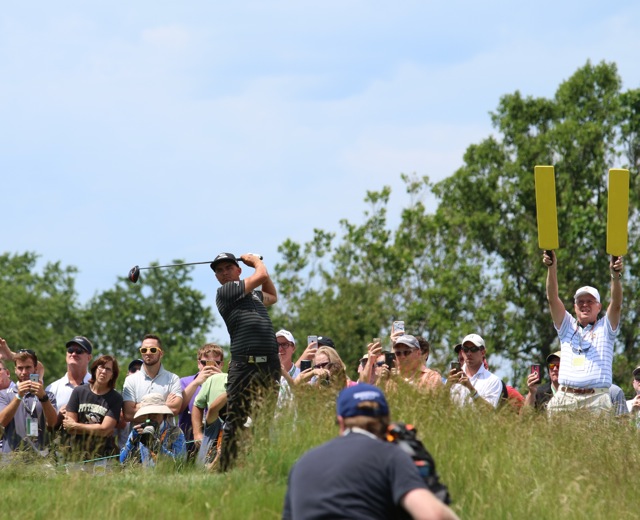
(286, 335)
(475, 339)
(588, 290)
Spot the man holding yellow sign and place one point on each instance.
(587, 340)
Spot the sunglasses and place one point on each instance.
(29, 351)
(321, 365)
(150, 350)
(380, 363)
(403, 353)
(473, 349)
(637, 377)
(553, 365)
(75, 350)
(203, 362)
(284, 345)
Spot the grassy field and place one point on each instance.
(498, 465)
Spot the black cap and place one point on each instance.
(136, 363)
(223, 257)
(457, 348)
(323, 341)
(82, 342)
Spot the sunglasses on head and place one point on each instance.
(75, 350)
(151, 350)
(29, 351)
(473, 349)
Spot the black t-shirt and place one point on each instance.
(247, 320)
(92, 409)
(352, 476)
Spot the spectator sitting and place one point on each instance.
(152, 435)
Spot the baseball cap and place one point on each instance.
(325, 341)
(82, 342)
(136, 363)
(286, 335)
(223, 257)
(475, 339)
(457, 348)
(557, 354)
(362, 399)
(588, 290)
(636, 371)
(408, 340)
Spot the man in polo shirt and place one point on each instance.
(151, 378)
(79, 351)
(26, 409)
(255, 364)
(586, 342)
(474, 383)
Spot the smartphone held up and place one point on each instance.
(535, 369)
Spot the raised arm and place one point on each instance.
(260, 277)
(615, 305)
(555, 303)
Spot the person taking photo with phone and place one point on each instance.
(27, 411)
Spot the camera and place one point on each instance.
(149, 428)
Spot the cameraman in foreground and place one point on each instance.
(153, 435)
(359, 474)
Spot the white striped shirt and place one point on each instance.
(587, 353)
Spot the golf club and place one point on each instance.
(134, 273)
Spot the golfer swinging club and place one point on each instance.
(254, 364)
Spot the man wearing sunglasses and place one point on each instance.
(586, 341)
(79, 350)
(151, 378)
(210, 358)
(411, 363)
(474, 383)
(540, 395)
(255, 365)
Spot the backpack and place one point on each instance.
(405, 436)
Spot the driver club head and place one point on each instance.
(134, 274)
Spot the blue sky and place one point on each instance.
(152, 130)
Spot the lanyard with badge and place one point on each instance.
(579, 357)
(31, 422)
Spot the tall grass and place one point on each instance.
(498, 465)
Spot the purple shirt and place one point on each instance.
(185, 417)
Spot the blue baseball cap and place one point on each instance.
(362, 399)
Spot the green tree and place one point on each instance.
(474, 265)
(162, 303)
(38, 308)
